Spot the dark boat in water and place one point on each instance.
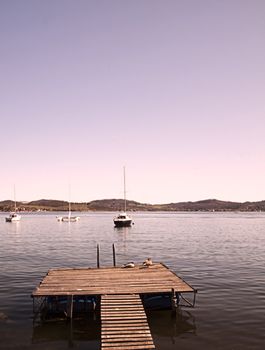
(123, 219)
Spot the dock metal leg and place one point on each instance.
(114, 255)
(69, 311)
(174, 300)
(97, 255)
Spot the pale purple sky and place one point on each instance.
(174, 90)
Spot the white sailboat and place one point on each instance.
(123, 219)
(13, 216)
(69, 217)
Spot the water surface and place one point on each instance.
(220, 254)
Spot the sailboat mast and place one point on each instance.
(15, 198)
(69, 203)
(124, 187)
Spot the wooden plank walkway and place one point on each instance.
(123, 318)
(124, 324)
(111, 280)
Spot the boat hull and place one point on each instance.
(70, 219)
(67, 218)
(13, 218)
(122, 223)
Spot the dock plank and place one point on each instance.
(110, 281)
(125, 329)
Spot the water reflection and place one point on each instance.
(123, 235)
(165, 323)
(13, 227)
(78, 330)
(220, 254)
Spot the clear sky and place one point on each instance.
(174, 90)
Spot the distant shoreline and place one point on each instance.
(111, 205)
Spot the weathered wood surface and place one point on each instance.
(124, 326)
(115, 280)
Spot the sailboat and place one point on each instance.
(123, 219)
(69, 217)
(13, 216)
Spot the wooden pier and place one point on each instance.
(118, 292)
(156, 278)
(124, 323)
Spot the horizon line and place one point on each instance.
(132, 200)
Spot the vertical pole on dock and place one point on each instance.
(97, 255)
(70, 318)
(69, 311)
(173, 300)
(114, 254)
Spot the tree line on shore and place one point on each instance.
(118, 204)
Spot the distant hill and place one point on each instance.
(48, 203)
(118, 204)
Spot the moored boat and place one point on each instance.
(123, 219)
(68, 218)
(13, 217)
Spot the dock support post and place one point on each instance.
(114, 254)
(69, 311)
(194, 297)
(174, 300)
(97, 255)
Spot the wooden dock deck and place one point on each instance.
(156, 278)
(124, 323)
(118, 292)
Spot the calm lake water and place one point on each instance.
(220, 254)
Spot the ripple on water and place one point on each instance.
(221, 254)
